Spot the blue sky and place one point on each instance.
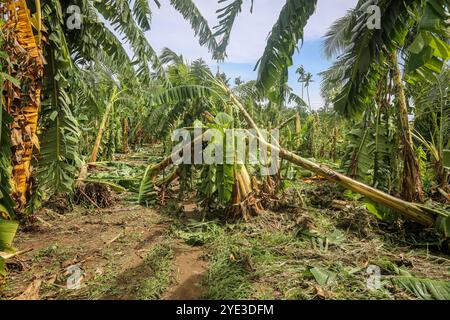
(248, 38)
(310, 57)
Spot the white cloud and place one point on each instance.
(250, 32)
(326, 13)
(248, 38)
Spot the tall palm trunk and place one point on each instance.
(23, 102)
(411, 184)
(307, 93)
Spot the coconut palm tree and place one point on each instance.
(301, 78)
(363, 63)
(308, 81)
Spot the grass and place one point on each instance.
(50, 251)
(310, 251)
(159, 260)
(147, 281)
(272, 257)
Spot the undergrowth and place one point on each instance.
(312, 253)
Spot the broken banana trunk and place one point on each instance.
(407, 209)
(23, 102)
(244, 204)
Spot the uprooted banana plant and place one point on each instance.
(224, 184)
(420, 214)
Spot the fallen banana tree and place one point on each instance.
(412, 211)
(418, 213)
(238, 190)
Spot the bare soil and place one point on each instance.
(109, 246)
(190, 269)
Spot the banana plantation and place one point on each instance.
(130, 172)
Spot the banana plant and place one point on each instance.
(432, 124)
(366, 56)
(26, 64)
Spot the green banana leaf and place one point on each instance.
(447, 159)
(8, 230)
(425, 289)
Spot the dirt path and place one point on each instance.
(190, 270)
(124, 252)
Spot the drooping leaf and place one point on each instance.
(425, 289)
(282, 41)
(226, 17)
(372, 208)
(8, 229)
(225, 182)
(363, 61)
(224, 120)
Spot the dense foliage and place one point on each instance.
(386, 94)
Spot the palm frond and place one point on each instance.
(226, 16)
(364, 58)
(282, 41)
(199, 24)
(338, 35)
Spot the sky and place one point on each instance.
(248, 38)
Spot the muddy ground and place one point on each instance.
(308, 250)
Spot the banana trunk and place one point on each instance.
(23, 103)
(409, 210)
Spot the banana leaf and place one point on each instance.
(447, 159)
(8, 230)
(424, 289)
